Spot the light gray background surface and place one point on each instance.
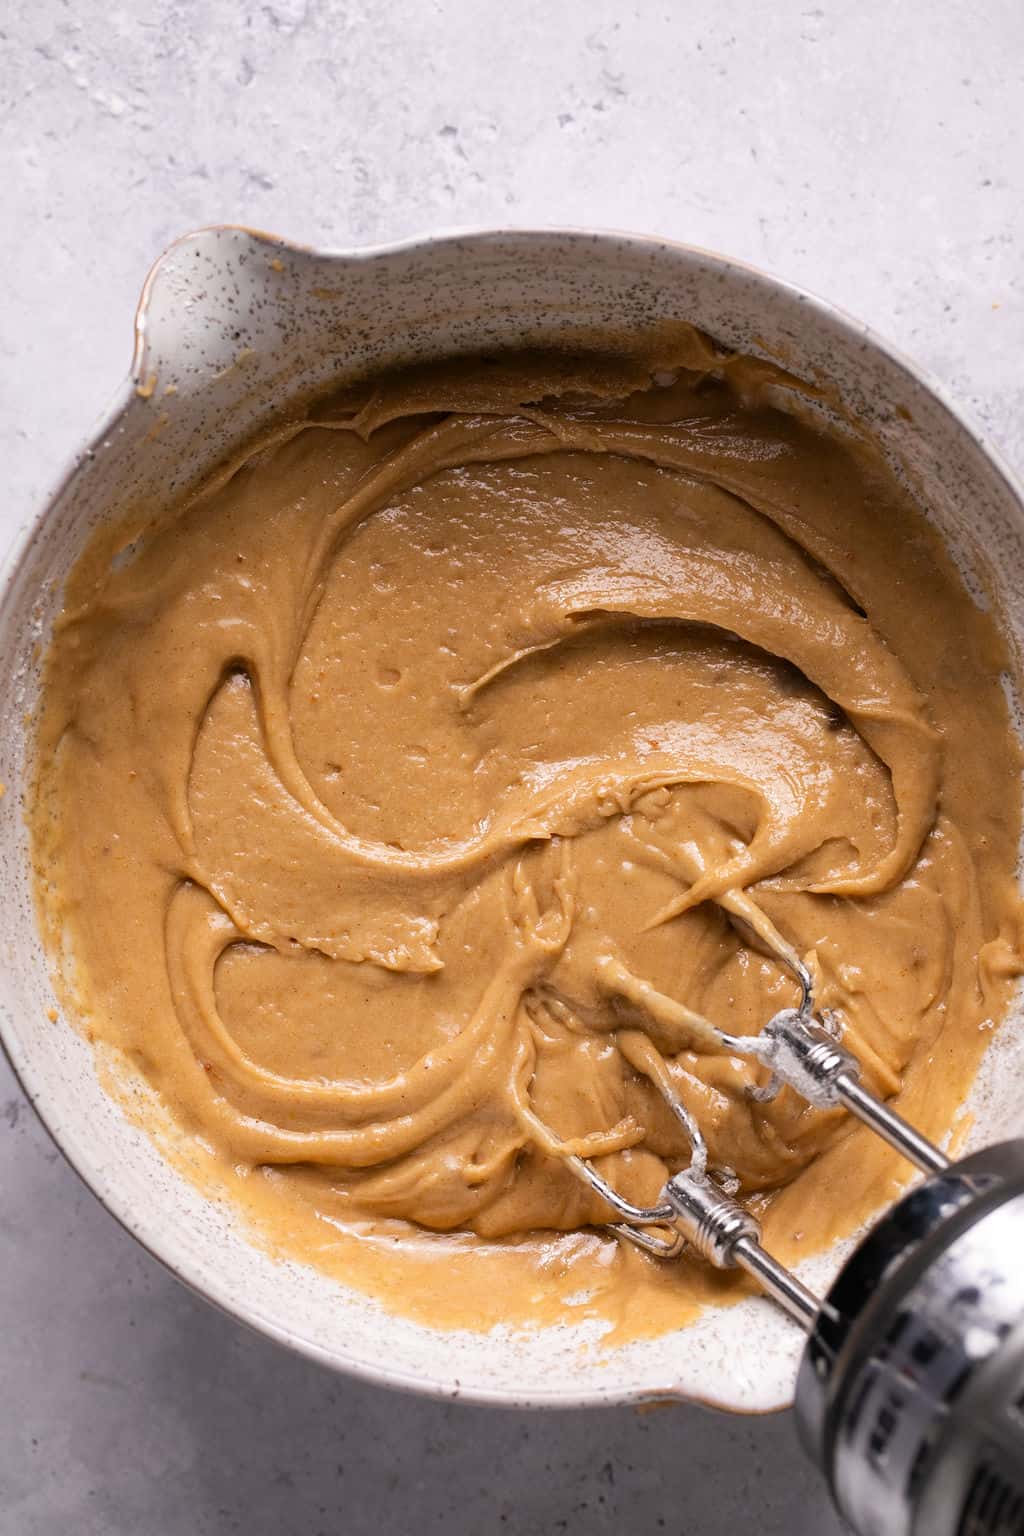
(872, 151)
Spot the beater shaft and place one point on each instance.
(890, 1126)
(804, 1055)
(778, 1282)
(729, 1237)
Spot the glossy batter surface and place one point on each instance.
(405, 798)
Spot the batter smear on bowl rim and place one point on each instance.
(407, 797)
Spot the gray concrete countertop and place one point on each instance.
(873, 152)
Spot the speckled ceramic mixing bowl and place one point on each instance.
(231, 324)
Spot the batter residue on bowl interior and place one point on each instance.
(377, 781)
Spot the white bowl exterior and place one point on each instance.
(232, 323)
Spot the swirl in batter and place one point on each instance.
(409, 796)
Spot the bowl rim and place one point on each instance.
(96, 1179)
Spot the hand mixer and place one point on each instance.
(910, 1389)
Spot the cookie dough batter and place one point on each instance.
(403, 793)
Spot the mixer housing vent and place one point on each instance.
(994, 1505)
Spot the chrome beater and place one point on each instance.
(910, 1389)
